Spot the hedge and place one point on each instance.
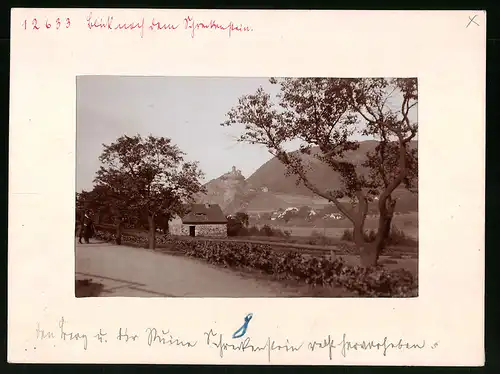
(291, 265)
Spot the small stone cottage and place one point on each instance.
(202, 220)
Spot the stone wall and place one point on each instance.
(207, 230)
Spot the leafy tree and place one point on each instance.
(267, 230)
(237, 224)
(243, 218)
(101, 201)
(149, 176)
(110, 207)
(234, 226)
(323, 115)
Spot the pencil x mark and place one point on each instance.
(471, 20)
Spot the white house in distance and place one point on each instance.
(202, 220)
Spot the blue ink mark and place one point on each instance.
(243, 329)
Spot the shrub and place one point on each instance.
(234, 226)
(347, 235)
(253, 231)
(318, 238)
(322, 271)
(399, 237)
(317, 271)
(396, 237)
(237, 227)
(266, 230)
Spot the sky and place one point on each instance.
(188, 110)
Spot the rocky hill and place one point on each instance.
(225, 190)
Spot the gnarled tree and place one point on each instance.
(324, 115)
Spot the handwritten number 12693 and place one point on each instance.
(35, 25)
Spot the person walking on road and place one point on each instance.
(87, 229)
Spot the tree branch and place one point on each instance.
(403, 173)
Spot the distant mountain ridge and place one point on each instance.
(272, 173)
(267, 186)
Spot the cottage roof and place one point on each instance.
(204, 213)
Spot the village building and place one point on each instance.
(175, 226)
(202, 220)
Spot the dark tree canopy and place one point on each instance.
(150, 173)
(145, 177)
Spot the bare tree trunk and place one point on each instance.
(367, 251)
(386, 209)
(358, 234)
(152, 232)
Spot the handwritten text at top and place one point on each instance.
(56, 24)
(188, 24)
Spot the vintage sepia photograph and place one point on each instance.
(246, 187)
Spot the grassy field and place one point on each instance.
(406, 222)
(330, 232)
(268, 202)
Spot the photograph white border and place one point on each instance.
(442, 49)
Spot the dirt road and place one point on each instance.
(133, 272)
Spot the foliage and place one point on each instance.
(266, 230)
(243, 218)
(102, 201)
(234, 226)
(237, 225)
(292, 265)
(323, 115)
(148, 177)
(396, 237)
(318, 238)
(150, 172)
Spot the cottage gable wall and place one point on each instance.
(176, 229)
(207, 230)
(202, 218)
